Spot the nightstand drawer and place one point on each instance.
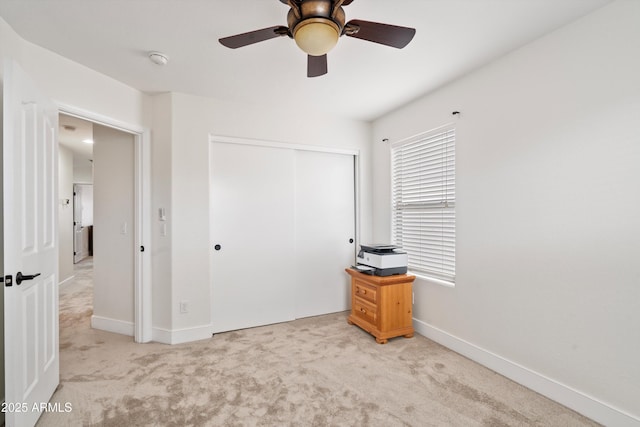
(365, 310)
(367, 292)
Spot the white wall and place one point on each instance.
(72, 84)
(548, 208)
(82, 170)
(113, 232)
(161, 241)
(193, 119)
(65, 213)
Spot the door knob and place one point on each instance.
(350, 240)
(22, 277)
(217, 247)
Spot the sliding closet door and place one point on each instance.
(324, 227)
(252, 213)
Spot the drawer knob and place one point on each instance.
(362, 310)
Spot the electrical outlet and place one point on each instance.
(184, 306)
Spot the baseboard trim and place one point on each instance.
(112, 325)
(180, 336)
(68, 279)
(563, 394)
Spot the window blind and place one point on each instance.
(423, 202)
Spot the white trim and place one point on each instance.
(81, 113)
(276, 144)
(561, 393)
(179, 336)
(356, 209)
(68, 279)
(161, 335)
(420, 275)
(142, 264)
(142, 291)
(112, 325)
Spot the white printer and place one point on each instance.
(382, 260)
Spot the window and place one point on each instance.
(423, 202)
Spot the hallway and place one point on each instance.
(76, 299)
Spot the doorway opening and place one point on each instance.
(103, 196)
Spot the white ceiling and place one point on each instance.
(365, 80)
(72, 133)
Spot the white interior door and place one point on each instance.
(325, 231)
(252, 212)
(283, 223)
(30, 247)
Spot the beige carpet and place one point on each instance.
(312, 372)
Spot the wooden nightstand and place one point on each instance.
(382, 306)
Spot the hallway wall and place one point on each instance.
(65, 213)
(113, 235)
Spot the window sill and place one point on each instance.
(433, 280)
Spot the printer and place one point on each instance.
(382, 260)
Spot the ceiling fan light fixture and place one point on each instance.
(316, 36)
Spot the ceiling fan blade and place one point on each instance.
(388, 35)
(316, 65)
(245, 39)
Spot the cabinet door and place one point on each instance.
(324, 225)
(252, 216)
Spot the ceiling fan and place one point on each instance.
(316, 26)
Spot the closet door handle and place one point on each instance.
(217, 247)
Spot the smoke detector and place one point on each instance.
(158, 58)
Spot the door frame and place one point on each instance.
(142, 328)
